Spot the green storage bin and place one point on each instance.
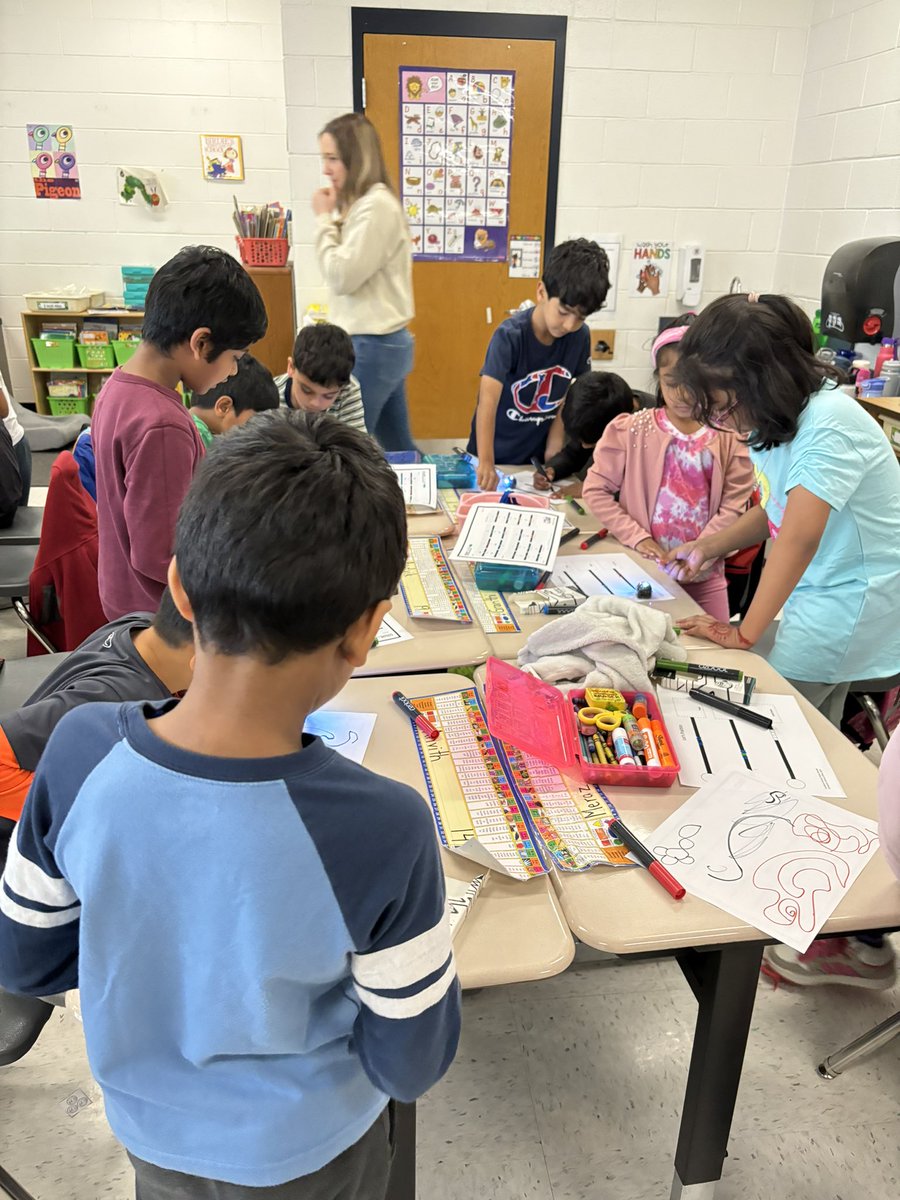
(123, 351)
(64, 406)
(96, 356)
(54, 352)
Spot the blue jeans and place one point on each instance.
(383, 362)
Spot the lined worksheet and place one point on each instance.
(510, 535)
(606, 575)
(418, 484)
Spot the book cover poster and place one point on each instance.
(455, 149)
(222, 157)
(650, 269)
(54, 166)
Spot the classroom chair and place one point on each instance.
(836, 1064)
(22, 676)
(16, 565)
(25, 529)
(864, 692)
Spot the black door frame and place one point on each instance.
(424, 23)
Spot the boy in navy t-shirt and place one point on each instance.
(534, 356)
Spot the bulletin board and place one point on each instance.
(455, 149)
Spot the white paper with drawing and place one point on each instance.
(346, 732)
(510, 535)
(418, 484)
(606, 575)
(779, 859)
(390, 632)
(709, 742)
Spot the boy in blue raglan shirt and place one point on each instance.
(533, 357)
(255, 923)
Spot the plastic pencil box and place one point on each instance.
(536, 717)
(453, 470)
(467, 499)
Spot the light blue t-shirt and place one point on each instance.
(842, 622)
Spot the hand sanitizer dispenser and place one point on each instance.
(689, 279)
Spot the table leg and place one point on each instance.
(724, 981)
(402, 1181)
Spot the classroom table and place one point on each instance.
(627, 913)
(435, 646)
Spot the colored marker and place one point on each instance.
(640, 852)
(733, 710)
(581, 512)
(567, 537)
(594, 539)
(413, 713)
(665, 754)
(696, 669)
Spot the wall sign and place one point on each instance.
(649, 269)
(54, 168)
(455, 143)
(222, 157)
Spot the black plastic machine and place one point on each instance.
(861, 293)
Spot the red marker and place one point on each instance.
(594, 539)
(413, 713)
(640, 851)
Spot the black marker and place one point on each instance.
(733, 710)
(540, 468)
(567, 537)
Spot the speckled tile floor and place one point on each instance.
(564, 1090)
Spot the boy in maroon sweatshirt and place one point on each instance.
(203, 310)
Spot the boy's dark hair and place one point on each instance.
(251, 387)
(324, 354)
(577, 273)
(171, 626)
(203, 287)
(592, 401)
(294, 525)
(763, 354)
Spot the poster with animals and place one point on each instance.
(455, 150)
(54, 167)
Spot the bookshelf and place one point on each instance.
(33, 323)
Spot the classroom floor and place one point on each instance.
(569, 1089)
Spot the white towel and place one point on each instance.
(607, 642)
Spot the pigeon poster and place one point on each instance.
(54, 166)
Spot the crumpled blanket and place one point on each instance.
(607, 642)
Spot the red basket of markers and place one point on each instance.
(263, 252)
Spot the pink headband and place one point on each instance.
(668, 337)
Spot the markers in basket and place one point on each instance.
(643, 855)
(404, 703)
(733, 710)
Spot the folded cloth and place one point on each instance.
(607, 642)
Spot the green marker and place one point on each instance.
(581, 512)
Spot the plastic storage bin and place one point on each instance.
(537, 718)
(52, 352)
(96, 356)
(263, 252)
(123, 351)
(64, 406)
(453, 470)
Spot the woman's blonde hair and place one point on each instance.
(359, 149)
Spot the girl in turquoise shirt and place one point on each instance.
(829, 490)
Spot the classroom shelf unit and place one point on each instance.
(33, 323)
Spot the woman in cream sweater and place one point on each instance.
(365, 256)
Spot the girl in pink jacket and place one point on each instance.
(676, 479)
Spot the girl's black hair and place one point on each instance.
(761, 353)
(678, 323)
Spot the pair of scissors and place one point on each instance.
(606, 719)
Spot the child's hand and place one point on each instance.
(723, 633)
(487, 476)
(686, 561)
(542, 481)
(323, 201)
(648, 548)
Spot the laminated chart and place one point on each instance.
(449, 498)
(570, 816)
(491, 611)
(475, 808)
(427, 584)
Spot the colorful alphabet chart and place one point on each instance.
(474, 805)
(455, 145)
(427, 583)
(490, 609)
(570, 817)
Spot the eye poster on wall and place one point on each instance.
(54, 167)
(455, 146)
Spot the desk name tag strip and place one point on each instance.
(427, 584)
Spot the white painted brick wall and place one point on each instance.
(139, 80)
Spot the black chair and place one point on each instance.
(16, 565)
(21, 676)
(25, 529)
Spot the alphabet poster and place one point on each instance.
(650, 269)
(455, 146)
(54, 167)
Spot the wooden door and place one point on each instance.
(459, 304)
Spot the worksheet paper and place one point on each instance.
(777, 858)
(708, 743)
(346, 732)
(461, 895)
(390, 632)
(418, 484)
(510, 535)
(606, 575)
(525, 483)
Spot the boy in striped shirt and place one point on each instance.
(255, 923)
(319, 376)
